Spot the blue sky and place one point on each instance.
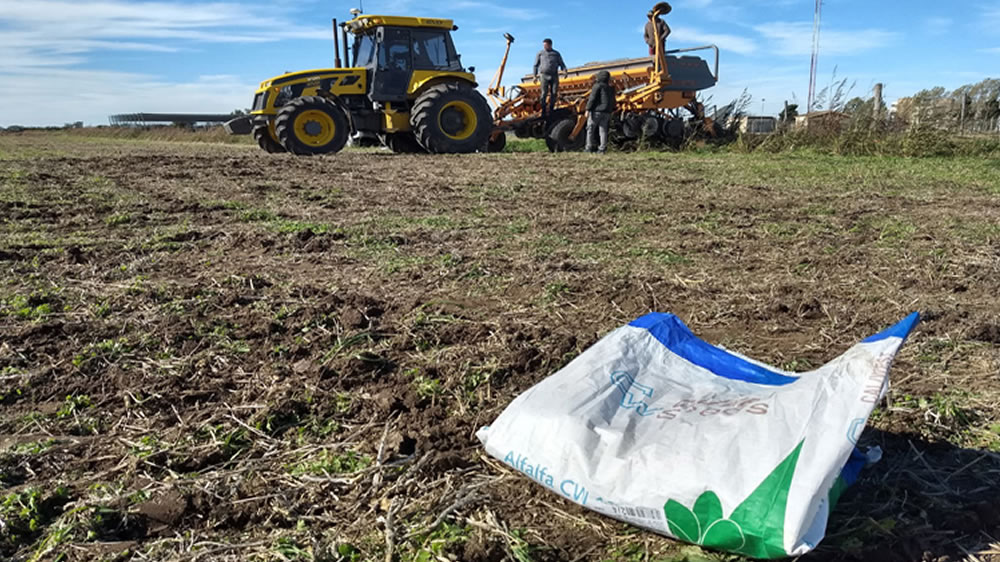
(65, 60)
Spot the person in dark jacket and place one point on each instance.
(649, 34)
(548, 62)
(600, 106)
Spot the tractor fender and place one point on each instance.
(423, 80)
(330, 96)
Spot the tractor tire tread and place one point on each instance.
(423, 117)
(285, 118)
(262, 135)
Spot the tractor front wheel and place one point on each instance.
(264, 135)
(311, 125)
(451, 118)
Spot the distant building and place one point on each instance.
(822, 121)
(757, 125)
(146, 119)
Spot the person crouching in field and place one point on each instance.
(600, 106)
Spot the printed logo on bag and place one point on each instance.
(633, 393)
(715, 405)
(876, 384)
(755, 527)
(541, 474)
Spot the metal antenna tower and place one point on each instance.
(815, 56)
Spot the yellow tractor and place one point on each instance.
(405, 85)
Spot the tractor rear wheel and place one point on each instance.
(311, 125)
(560, 133)
(264, 135)
(451, 118)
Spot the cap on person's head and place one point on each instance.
(547, 40)
(649, 14)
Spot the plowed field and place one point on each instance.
(211, 353)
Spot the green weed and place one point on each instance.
(35, 306)
(287, 226)
(118, 219)
(893, 232)
(525, 145)
(26, 512)
(34, 447)
(659, 255)
(331, 463)
(289, 549)
(555, 291)
(348, 553)
(257, 215)
(73, 405)
(437, 544)
(147, 445)
(108, 351)
(427, 387)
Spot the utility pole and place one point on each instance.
(877, 102)
(815, 56)
(961, 122)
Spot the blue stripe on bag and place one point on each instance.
(900, 330)
(679, 339)
(852, 469)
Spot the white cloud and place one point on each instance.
(992, 51)
(498, 10)
(991, 16)
(692, 36)
(938, 25)
(725, 42)
(47, 43)
(795, 38)
(60, 26)
(91, 96)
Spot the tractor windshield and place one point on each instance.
(364, 50)
(433, 50)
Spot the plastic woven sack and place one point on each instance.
(656, 427)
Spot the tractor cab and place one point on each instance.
(400, 53)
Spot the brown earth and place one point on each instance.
(210, 353)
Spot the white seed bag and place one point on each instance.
(657, 428)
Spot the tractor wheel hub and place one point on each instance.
(313, 129)
(452, 121)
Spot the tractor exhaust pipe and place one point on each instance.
(343, 36)
(336, 46)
